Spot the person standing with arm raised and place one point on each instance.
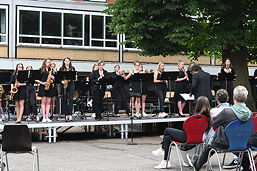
(98, 88)
(45, 88)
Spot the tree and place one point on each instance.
(197, 27)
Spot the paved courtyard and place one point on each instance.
(95, 154)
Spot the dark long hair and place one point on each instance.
(203, 106)
(16, 68)
(63, 65)
(224, 63)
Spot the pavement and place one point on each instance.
(97, 154)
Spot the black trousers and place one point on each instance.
(31, 104)
(160, 91)
(68, 94)
(172, 134)
(98, 95)
(120, 96)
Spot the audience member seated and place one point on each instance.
(172, 134)
(239, 111)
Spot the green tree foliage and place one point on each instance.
(217, 28)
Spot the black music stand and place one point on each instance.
(4, 80)
(170, 76)
(28, 77)
(59, 77)
(138, 77)
(226, 77)
(108, 79)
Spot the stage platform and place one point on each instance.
(51, 128)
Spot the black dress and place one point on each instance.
(21, 94)
(180, 87)
(68, 93)
(227, 84)
(45, 93)
(138, 88)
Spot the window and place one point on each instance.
(53, 27)
(3, 25)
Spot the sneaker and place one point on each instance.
(158, 152)
(231, 165)
(48, 120)
(185, 164)
(163, 165)
(37, 118)
(189, 160)
(162, 115)
(192, 160)
(144, 114)
(44, 120)
(93, 115)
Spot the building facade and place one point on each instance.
(31, 30)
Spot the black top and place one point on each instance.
(160, 77)
(95, 83)
(255, 73)
(180, 86)
(231, 77)
(201, 85)
(21, 94)
(119, 81)
(46, 93)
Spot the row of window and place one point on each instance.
(65, 28)
(3, 25)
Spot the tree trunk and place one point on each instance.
(240, 64)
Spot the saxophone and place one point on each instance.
(49, 80)
(14, 89)
(66, 83)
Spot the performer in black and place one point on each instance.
(70, 89)
(55, 92)
(181, 87)
(98, 88)
(20, 95)
(201, 83)
(119, 90)
(160, 88)
(189, 73)
(255, 77)
(46, 93)
(94, 68)
(31, 99)
(227, 84)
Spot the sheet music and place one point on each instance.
(187, 96)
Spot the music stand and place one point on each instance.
(108, 79)
(59, 77)
(226, 77)
(170, 76)
(28, 77)
(4, 80)
(138, 77)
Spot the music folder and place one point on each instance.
(187, 97)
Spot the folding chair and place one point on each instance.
(17, 139)
(195, 126)
(238, 134)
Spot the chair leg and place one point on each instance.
(179, 156)
(168, 157)
(250, 156)
(224, 157)
(238, 165)
(208, 159)
(7, 165)
(37, 160)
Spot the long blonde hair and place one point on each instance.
(158, 67)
